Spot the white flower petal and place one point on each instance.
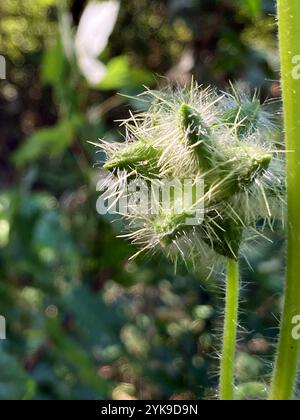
(96, 25)
(93, 70)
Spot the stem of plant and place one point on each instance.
(230, 331)
(286, 365)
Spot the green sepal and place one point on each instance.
(197, 135)
(227, 237)
(171, 227)
(237, 174)
(139, 156)
(244, 115)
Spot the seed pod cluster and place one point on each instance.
(228, 140)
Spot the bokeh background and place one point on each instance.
(84, 322)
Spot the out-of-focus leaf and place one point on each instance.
(120, 74)
(15, 384)
(78, 358)
(98, 322)
(66, 34)
(53, 65)
(50, 141)
(253, 6)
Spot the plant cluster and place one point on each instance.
(227, 139)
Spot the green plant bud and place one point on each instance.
(245, 114)
(251, 391)
(239, 173)
(198, 135)
(139, 156)
(226, 238)
(171, 227)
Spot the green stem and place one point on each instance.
(230, 331)
(286, 365)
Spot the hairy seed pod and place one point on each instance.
(195, 133)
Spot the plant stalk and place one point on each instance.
(286, 365)
(230, 331)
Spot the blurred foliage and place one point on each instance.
(83, 322)
(19, 17)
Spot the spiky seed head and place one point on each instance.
(221, 138)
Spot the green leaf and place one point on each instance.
(121, 74)
(50, 141)
(53, 65)
(254, 7)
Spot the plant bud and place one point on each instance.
(197, 135)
